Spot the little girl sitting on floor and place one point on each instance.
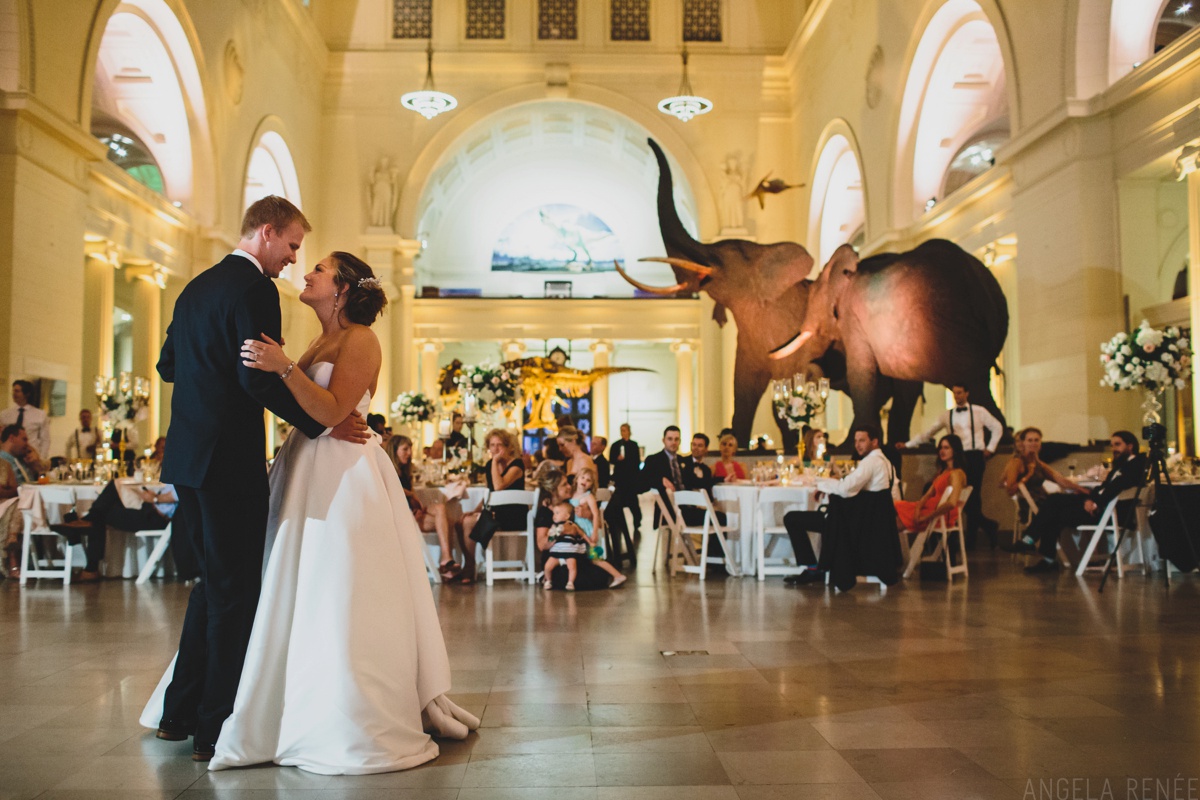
(588, 512)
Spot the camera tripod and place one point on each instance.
(1157, 474)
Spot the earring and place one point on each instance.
(335, 300)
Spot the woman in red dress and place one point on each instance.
(728, 469)
(916, 515)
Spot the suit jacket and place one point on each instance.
(603, 472)
(657, 467)
(1126, 474)
(625, 472)
(696, 474)
(217, 433)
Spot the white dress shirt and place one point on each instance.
(79, 442)
(240, 252)
(873, 474)
(35, 423)
(971, 423)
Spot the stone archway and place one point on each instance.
(838, 209)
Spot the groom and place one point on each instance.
(216, 460)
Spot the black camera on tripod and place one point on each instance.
(1155, 435)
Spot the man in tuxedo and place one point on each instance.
(1068, 509)
(82, 442)
(626, 460)
(217, 461)
(603, 469)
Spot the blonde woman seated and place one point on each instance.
(1027, 468)
(575, 456)
(505, 471)
(914, 516)
(727, 469)
(429, 518)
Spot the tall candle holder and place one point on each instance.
(470, 416)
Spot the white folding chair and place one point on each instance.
(944, 531)
(709, 528)
(162, 540)
(665, 536)
(517, 569)
(1107, 526)
(773, 503)
(32, 566)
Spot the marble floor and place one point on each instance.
(1006, 686)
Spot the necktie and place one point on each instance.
(21, 417)
(676, 478)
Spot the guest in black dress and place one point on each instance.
(505, 471)
(553, 487)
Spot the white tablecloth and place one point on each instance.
(742, 499)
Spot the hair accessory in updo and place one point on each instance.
(370, 283)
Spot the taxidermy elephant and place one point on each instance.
(765, 287)
(935, 314)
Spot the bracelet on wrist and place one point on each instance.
(287, 372)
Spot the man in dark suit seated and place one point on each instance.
(662, 472)
(1060, 511)
(859, 527)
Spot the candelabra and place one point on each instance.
(119, 399)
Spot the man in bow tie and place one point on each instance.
(82, 442)
(980, 432)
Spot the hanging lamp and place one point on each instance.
(685, 105)
(428, 102)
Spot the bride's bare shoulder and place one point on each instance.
(361, 340)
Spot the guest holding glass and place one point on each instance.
(951, 472)
(505, 471)
(727, 469)
(429, 518)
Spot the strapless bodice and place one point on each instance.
(319, 373)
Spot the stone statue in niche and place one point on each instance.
(732, 200)
(385, 194)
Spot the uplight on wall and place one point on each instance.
(685, 104)
(428, 102)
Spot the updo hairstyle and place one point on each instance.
(360, 304)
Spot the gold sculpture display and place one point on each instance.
(542, 379)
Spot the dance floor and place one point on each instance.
(995, 688)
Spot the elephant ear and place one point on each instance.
(782, 266)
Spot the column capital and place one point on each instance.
(512, 349)
(429, 345)
(104, 251)
(680, 346)
(601, 346)
(148, 271)
(1188, 161)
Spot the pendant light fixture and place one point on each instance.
(685, 105)
(428, 102)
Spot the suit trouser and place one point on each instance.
(1056, 512)
(108, 510)
(228, 543)
(798, 524)
(625, 495)
(975, 466)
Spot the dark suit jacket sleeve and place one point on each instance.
(166, 358)
(653, 472)
(1126, 476)
(258, 313)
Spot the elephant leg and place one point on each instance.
(868, 388)
(750, 380)
(904, 402)
(981, 394)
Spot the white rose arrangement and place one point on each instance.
(495, 387)
(1149, 359)
(412, 407)
(797, 403)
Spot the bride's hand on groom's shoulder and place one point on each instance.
(265, 354)
(352, 429)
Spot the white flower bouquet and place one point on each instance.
(1148, 359)
(797, 402)
(412, 407)
(495, 387)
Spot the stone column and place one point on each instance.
(1187, 167)
(685, 374)
(147, 324)
(511, 350)
(102, 257)
(389, 255)
(602, 350)
(429, 349)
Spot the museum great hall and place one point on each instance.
(490, 160)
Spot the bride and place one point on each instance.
(346, 668)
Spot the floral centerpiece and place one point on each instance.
(412, 408)
(797, 402)
(494, 387)
(1148, 359)
(122, 400)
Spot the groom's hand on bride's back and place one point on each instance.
(352, 429)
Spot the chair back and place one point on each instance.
(1024, 490)
(695, 499)
(515, 497)
(603, 495)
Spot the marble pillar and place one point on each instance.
(602, 351)
(685, 375)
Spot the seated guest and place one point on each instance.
(1060, 511)
(696, 474)
(553, 488)
(154, 514)
(160, 447)
(603, 469)
(914, 516)
(727, 469)
(457, 440)
(858, 529)
(82, 441)
(505, 471)
(1027, 468)
(816, 447)
(575, 458)
(378, 424)
(429, 518)
(661, 471)
(14, 471)
(436, 451)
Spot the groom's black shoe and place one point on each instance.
(203, 752)
(172, 731)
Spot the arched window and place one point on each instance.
(1177, 18)
(838, 208)
(955, 97)
(271, 170)
(128, 151)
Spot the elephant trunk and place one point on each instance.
(678, 241)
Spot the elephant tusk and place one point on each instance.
(683, 263)
(794, 344)
(664, 290)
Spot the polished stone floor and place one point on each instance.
(1005, 687)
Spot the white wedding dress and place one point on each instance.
(346, 668)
